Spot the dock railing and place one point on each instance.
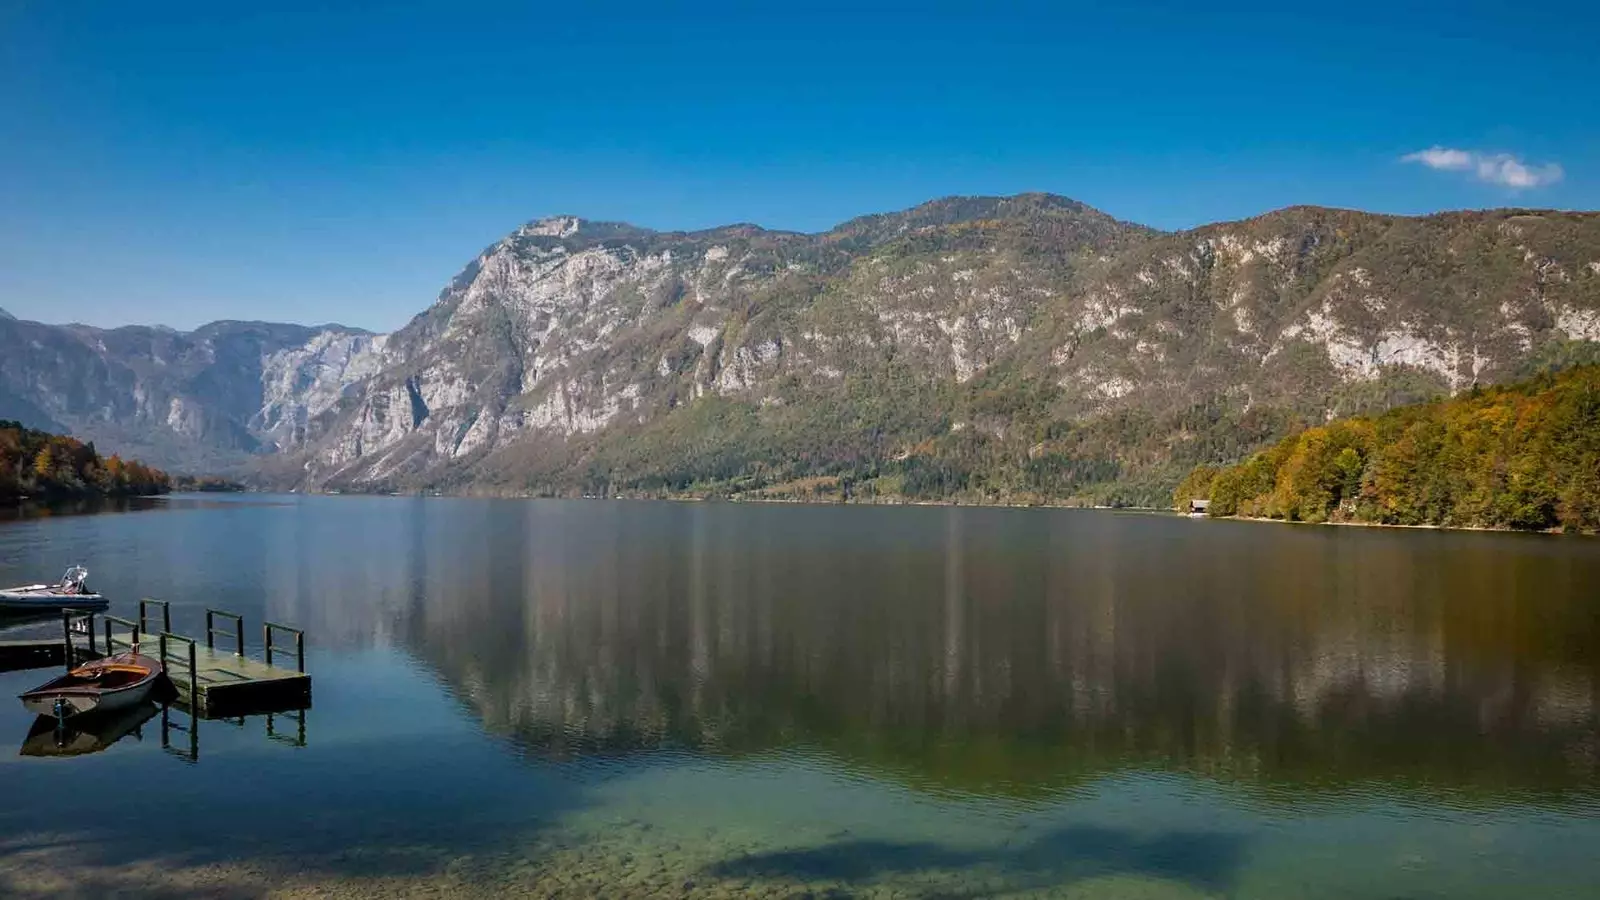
(238, 630)
(166, 640)
(113, 642)
(267, 631)
(144, 616)
(74, 622)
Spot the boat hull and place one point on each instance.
(71, 592)
(78, 704)
(25, 600)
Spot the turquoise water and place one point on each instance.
(575, 698)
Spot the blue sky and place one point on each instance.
(180, 162)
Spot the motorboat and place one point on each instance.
(70, 593)
(91, 734)
(102, 686)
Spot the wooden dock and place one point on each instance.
(222, 683)
(212, 681)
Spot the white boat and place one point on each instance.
(69, 593)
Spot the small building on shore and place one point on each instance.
(1199, 507)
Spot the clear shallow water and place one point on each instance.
(722, 699)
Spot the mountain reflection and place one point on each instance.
(991, 650)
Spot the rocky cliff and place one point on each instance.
(991, 348)
(1011, 348)
(213, 398)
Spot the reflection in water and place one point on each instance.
(993, 651)
(81, 506)
(82, 735)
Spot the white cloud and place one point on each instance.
(1441, 158)
(1503, 169)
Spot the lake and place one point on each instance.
(638, 699)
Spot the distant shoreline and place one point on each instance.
(966, 504)
(1482, 528)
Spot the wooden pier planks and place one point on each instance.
(225, 683)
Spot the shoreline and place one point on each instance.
(1485, 529)
(966, 504)
(513, 495)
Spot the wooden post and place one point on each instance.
(300, 651)
(210, 644)
(66, 637)
(194, 685)
(266, 640)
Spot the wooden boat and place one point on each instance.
(91, 734)
(69, 593)
(103, 686)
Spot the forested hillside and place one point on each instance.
(39, 464)
(1524, 456)
(986, 350)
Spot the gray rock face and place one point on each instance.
(568, 345)
(568, 328)
(210, 398)
(984, 335)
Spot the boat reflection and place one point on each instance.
(80, 736)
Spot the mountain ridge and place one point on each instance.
(1000, 349)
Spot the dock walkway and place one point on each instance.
(224, 683)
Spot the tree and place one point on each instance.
(1521, 456)
(44, 464)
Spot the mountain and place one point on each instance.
(210, 398)
(571, 348)
(997, 349)
(5, 315)
(991, 349)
